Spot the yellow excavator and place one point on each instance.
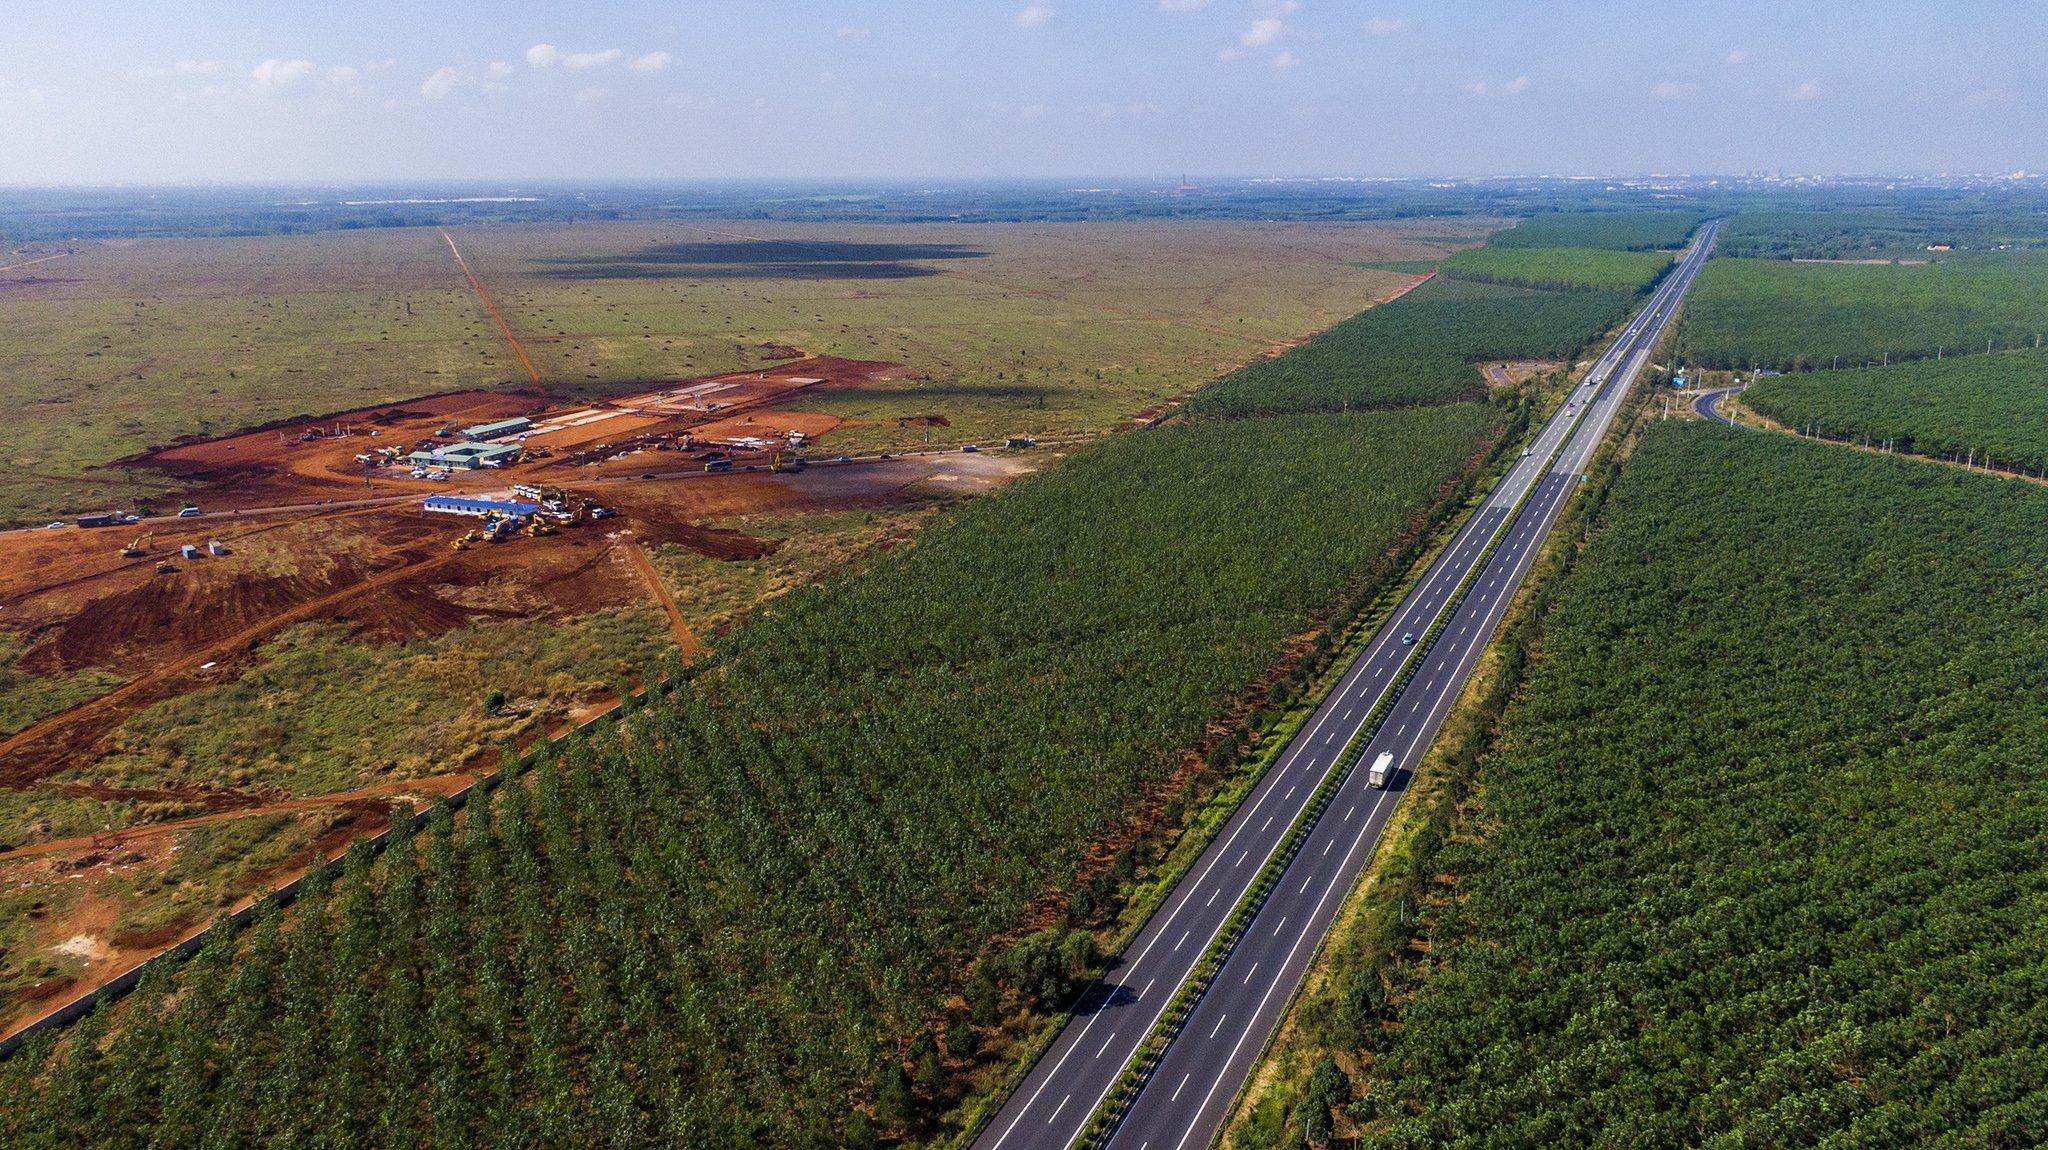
(540, 527)
(462, 543)
(140, 547)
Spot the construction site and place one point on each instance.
(361, 520)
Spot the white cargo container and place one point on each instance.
(1382, 770)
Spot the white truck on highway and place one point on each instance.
(1382, 770)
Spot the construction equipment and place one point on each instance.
(460, 544)
(140, 547)
(540, 527)
(165, 568)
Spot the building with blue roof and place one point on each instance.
(480, 508)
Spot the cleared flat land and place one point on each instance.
(129, 345)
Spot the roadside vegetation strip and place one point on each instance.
(1879, 612)
(1300, 695)
(1347, 987)
(1102, 1124)
(1977, 409)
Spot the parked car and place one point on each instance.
(54, 526)
(187, 512)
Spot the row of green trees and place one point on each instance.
(1419, 349)
(1787, 316)
(1615, 231)
(1989, 408)
(1761, 858)
(1565, 269)
(744, 918)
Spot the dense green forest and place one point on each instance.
(1565, 268)
(1760, 859)
(1616, 231)
(745, 914)
(1881, 233)
(1990, 407)
(1417, 349)
(1774, 314)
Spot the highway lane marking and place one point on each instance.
(1212, 900)
(1249, 973)
(1430, 599)
(1183, 938)
(1348, 810)
(1283, 924)
(1219, 1026)
(1518, 561)
(1105, 1046)
(1269, 822)
(1240, 859)
(1305, 882)
(1328, 845)
(1183, 1086)
(1290, 793)
(1275, 985)
(1148, 987)
(1056, 1110)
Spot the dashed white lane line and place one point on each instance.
(1105, 1044)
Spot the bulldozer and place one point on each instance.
(139, 547)
(461, 543)
(540, 527)
(165, 568)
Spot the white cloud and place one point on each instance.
(1182, 5)
(1809, 90)
(1385, 26)
(443, 82)
(271, 75)
(542, 55)
(1285, 60)
(1674, 90)
(1736, 57)
(1033, 16)
(590, 59)
(1517, 85)
(853, 32)
(1262, 32)
(651, 62)
(499, 69)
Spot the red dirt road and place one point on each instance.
(491, 305)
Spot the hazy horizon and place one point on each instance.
(243, 94)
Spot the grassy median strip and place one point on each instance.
(1139, 1070)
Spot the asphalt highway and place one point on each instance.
(1187, 1095)
(1704, 405)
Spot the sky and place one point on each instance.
(286, 91)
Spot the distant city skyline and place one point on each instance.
(92, 92)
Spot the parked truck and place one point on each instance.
(1382, 770)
